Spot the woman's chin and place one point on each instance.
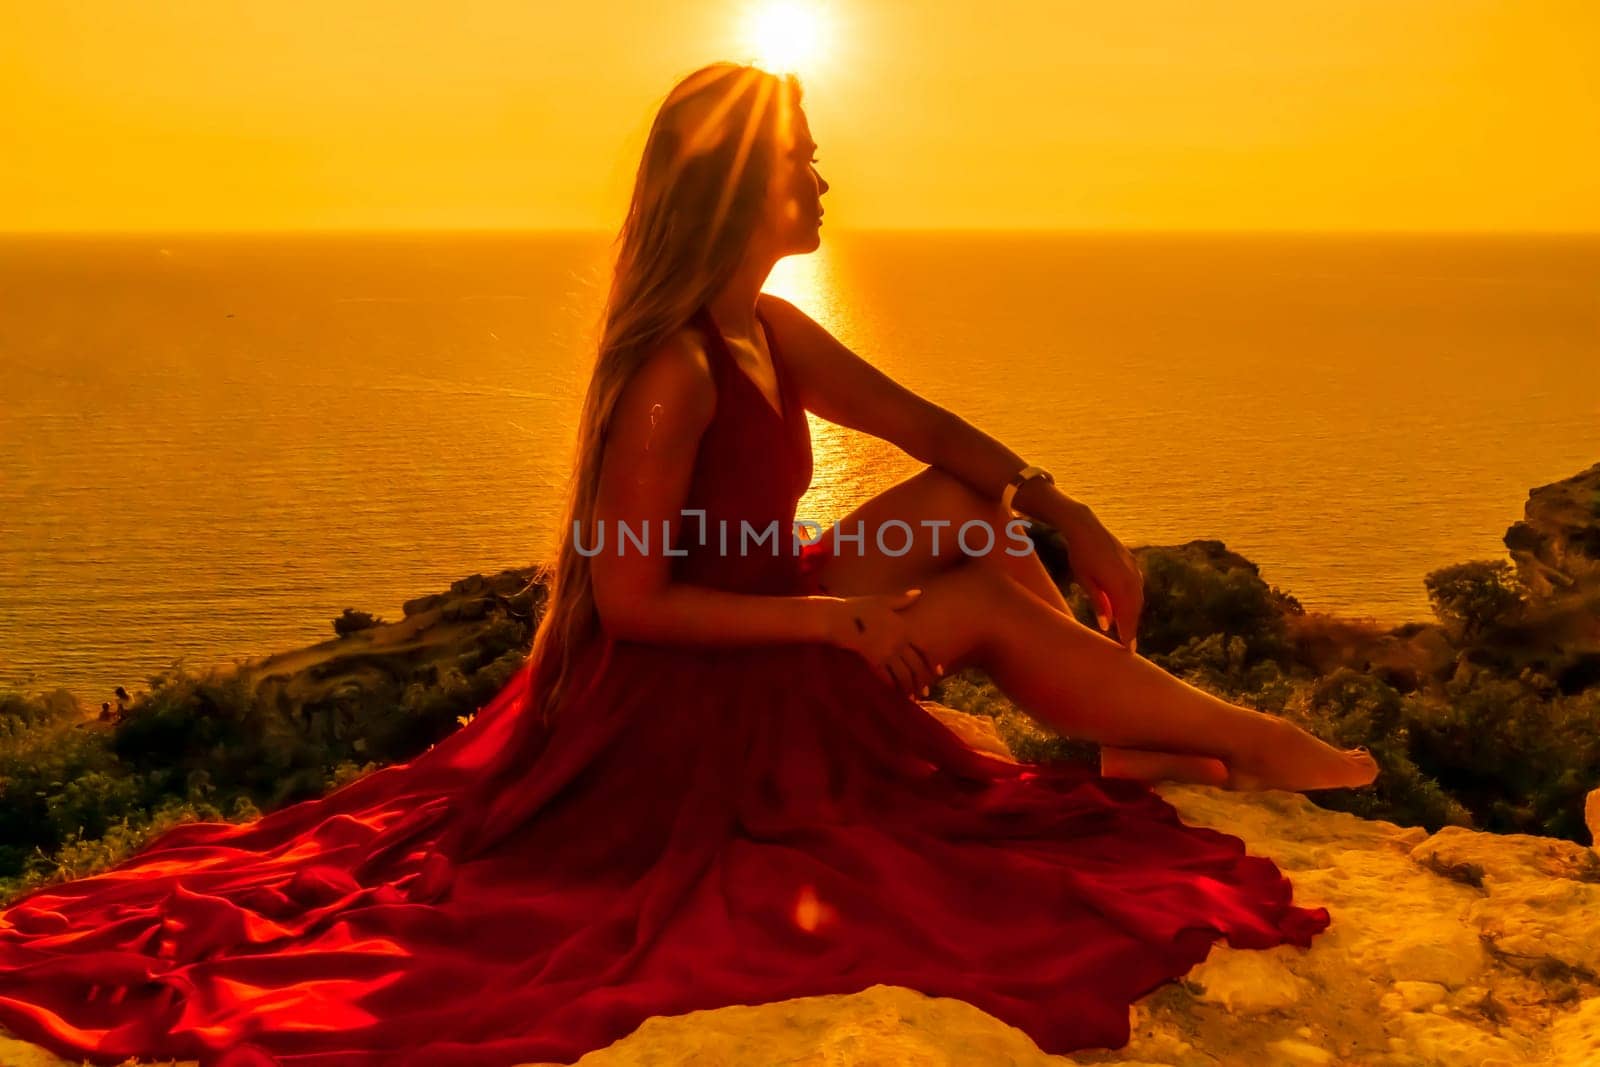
(801, 245)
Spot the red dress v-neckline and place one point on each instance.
(720, 342)
(754, 465)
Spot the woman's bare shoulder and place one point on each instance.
(778, 309)
(676, 371)
(798, 333)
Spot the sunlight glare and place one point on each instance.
(786, 35)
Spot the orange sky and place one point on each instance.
(1143, 114)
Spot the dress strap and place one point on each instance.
(718, 344)
(730, 366)
(780, 366)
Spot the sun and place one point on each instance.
(786, 35)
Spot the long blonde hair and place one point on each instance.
(697, 199)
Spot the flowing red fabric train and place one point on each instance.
(700, 827)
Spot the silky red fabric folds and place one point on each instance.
(701, 827)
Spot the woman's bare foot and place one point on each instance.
(1290, 758)
(1148, 766)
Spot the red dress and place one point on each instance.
(701, 827)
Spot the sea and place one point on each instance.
(212, 444)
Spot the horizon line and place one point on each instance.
(594, 231)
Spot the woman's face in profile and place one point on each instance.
(794, 200)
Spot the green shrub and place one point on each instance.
(1520, 759)
(1476, 598)
(352, 621)
(1186, 600)
(44, 757)
(216, 723)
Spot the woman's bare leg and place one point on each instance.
(1086, 685)
(1083, 682)
(1005, 614)
(933, 494)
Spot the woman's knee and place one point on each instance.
(910, 532)
(974, 525)
(1001, 542)
(961, 501)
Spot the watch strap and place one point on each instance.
(1017, 479)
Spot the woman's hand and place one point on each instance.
(874, 627)
(1109, 574)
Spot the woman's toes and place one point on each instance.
(1365, 761)
(1242, 781)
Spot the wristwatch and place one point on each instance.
(1010, 491)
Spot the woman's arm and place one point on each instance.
(644, 478)
(845, 389)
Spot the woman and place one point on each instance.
(710, 784)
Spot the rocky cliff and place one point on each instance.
(1556, 545)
